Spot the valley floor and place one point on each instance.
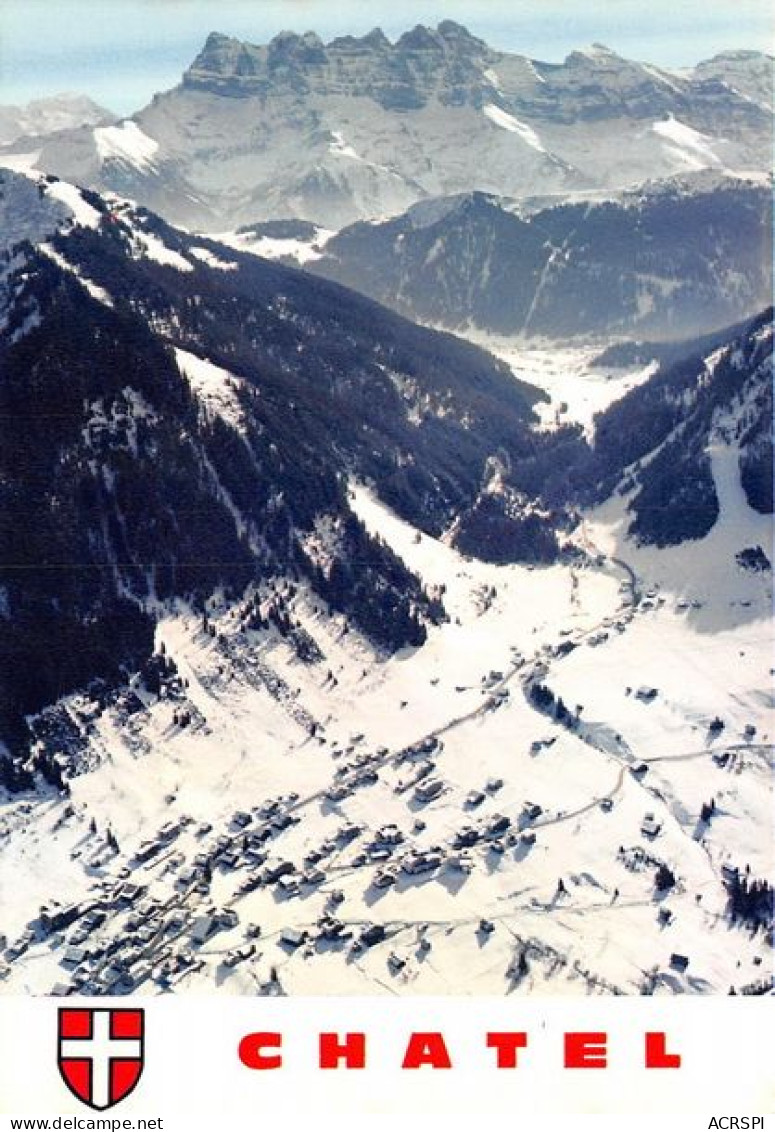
(575, 386)
(529, 868)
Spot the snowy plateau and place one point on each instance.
(387, 746)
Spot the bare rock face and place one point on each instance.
(423, 64)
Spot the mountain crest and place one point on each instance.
(595, 55)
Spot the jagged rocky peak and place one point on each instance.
(453, 32)
(376, 38)
(222, 58)
(228, 62)
(450, 65)
(218, 53)
(448, 39)
(243, 66)
(374, 42)
(420, 38)
(219, 49)
(287, 47)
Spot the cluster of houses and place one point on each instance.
(162, 939)
(329, 929)
(496, 831)
(360, 771)
(164, 837)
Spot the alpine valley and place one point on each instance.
(386, 526)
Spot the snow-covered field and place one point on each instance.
(559, 897)
(577, 388)
(273, 247)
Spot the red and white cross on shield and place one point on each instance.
(100, 1053)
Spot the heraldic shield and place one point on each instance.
(100, 1053)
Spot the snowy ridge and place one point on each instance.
(82, 212)
(126, 142)
(155, 249)
(212, 260)
(269, 247)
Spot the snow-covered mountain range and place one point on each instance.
(362, 128)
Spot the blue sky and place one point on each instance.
(122, 51)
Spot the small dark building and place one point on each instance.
(374, 933)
